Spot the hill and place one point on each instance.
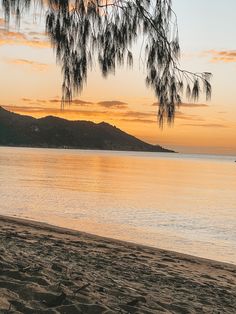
(53, 132)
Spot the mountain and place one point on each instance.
(53, 132)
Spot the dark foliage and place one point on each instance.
(87, 31)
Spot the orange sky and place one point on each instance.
(31, 84)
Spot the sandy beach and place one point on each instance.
(46, 269)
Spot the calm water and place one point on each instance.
(185, 203)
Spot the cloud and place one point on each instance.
(222, 56)
(42, 107)
(74, 102)
(206, 125)
(81, 102)
(116, 104)
(37, 34)
(110, 104)
(138, 117)
(35, 65)
(57, 100)
(193, 105)
(146, 121)
(182, 116)
(178, 115)
(18, 38)
(35, 108)
(43, 101)
(52, 100)
(187, 105)
(138, 114)
(26, 99)
(10, 37)
(43, 111)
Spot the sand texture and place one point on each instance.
(45, 269)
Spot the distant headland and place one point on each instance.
(53, 132)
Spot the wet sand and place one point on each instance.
(46, 269)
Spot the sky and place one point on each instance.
(31, 82)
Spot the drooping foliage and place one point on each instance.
(84, 32)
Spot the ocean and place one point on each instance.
(183, 203)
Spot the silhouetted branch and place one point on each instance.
(83, 32)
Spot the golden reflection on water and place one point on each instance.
(182, 203)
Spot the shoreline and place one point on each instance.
(165, 150)
(49, 269)
(73, 232)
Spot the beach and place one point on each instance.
(47, 269)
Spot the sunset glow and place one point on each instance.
(31, 83)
